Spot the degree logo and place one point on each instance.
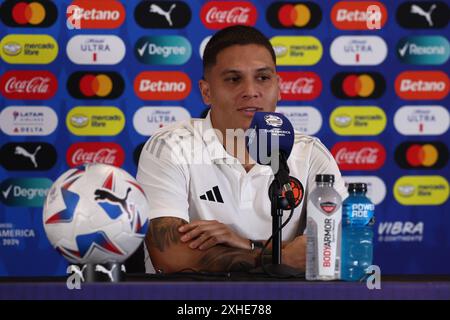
(163, 50)
(422, 85)
(294, 15)
(360, 85)
(28, 14)
(421, 190)
(423, 50)
(28, 49)
(360, 15)
(297, 50)
(421, 155)
(24, 192)
(95, 85)
(358, 121)
(87, 14)
(95, 121)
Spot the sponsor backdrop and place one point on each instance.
(90, 81)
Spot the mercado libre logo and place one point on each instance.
(421, 155)
(95, 121)
(358, 121)
(421, 190)
(95, 85)
(358, 85)
(297, 50)
(162, 14)
(28, 49)
(294, 15)
(163, 50)
(28, 14)
(87, 14)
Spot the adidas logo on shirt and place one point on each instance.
(212, 195)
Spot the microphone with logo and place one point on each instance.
(269, 141)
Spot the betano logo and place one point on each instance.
(95, 85)
(96, 49)
(306, 120)
(358, 50)
(28, 120)
(95, 121)
(221, 14)
(163, 50)
(28, 49)
(421, 120)
(28, 14)
(28, 85)
(87, 14)
(24, 192)
(421, 155)
(376, 189)
(359, 85)
(422, 85)
(423, 50)
(421, 190)
(297, 50)
(358, 121)
(162, 85)
(360, 15)
(149, 119)
(294, 15)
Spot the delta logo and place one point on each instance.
(95, 121)
(421, 155)
(28, 49)
(95, 152)
(159, 85)
(87, 14)
(299, 85)
(28, 120)
(361, 15)
(297, 50)
(422, 120)
(305, 119)
(95, 85)
(359, 155)
(422, 85)
(421, 190)
(28, 85)
(294, 15)
(358, 121)
(358, 85)
(221, 14)
(162, 14)
(28, 14)
(423, 50)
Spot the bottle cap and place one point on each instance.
(357, 187)
(325, 178)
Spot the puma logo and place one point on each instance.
(166, 14)
(32, 156)
(102, 269)
(104, 194)
(427, 15)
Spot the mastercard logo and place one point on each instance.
(95, 85)
(294, 15)
(28, 13)
(363, 85)
(421, 155)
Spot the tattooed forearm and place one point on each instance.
(221, 258)
(164, 233)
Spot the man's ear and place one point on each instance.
(204, 90)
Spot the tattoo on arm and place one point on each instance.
(164, 233)
(221, 258)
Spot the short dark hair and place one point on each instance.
(230, 36)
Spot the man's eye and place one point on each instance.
(232, 79)
(264, 78)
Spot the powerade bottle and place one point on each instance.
(357, 233)
(323, 228)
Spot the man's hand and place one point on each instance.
(294, 253)
(204, 234)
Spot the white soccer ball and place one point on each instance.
(96, 213)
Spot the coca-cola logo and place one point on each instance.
(361, 155)
(220, 14)
(28, 85)
(299, 85)
(95, 152)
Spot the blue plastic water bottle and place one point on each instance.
(357, 233)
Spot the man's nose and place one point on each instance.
(250, 89)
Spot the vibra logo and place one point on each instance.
(162, 14)
(87, 14)
(297, 51)
(304, 119)
(28, 14)
(95, 49)
(299, 85)
(351, 15)
(422, 85)
(95, 121)
(421, 155)
(294, 15)
(359, 155)
(358, 121)
(28, 121)
(423, 50)
(149, 119)
(95, 152)
(421, 120)
(95, 85)
(29, 156)
(421, 190)
(163, 50)
(164, 85)
(24, 192)
(28, 85)
(358, 50)
(400, 231)
(358, 85)
(221, 14)
(376, 189)
(28, 49)
(423, 14)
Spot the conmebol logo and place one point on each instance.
(422, 85)
(221, 14)
(28, 85)
(87, 14)
(164, 85)
(361, 155)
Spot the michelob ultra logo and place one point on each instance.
(358, 50)
(421, 155)
(358, 121)
(95, 49)
(162, 85)
(422, 85)
(24, 192)
(294, 15)
(163, 50)
(297, 50)
(28, 49)
(421, 120)
(28, 14)
(87, 14)
(149, 119)
(421, 190)
(423, 50)
(95, 121)
(359, 15)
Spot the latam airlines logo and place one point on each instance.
(359, 155)
(28, 85)
(95, 85)
(28, 121)
(358, 50)
(149, 119)
(87, 14)
(221, 14)
(376, 189)
(28, 49)
(24, 192)
(423, 14)
(95, 121)
(423, 50)
(162, 85)
(163, 50)
(95, 152)
(422, 85)
(162, 14)
(95, 49)
(422, 120)
(29, 156)
(358, 121)
(421, 190)
(421, 155)
(28, 14)
(294, 15)
(304, 119)
(297, 50)
(358, 85)
(299, 85)
(361, 15)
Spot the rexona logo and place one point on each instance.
(28, 121)
(358, 85)
(163, 50)
(422, 120)
(400, 231)
(422, 85)
(376, 189)
(28, 14)
(423, 14)
(421, 190)
(162, 85)
(95, 152)
(306, 120)
(299, 85)
(95, 85)
(87, 14)
(162, 14)
(421, 155)
(358, 121)
(30, 156)
(297, 50)
(28, 49)
(24, 192)
(294, 15)
(221, 14)
(423, 50)
(359, 155)
(148, 119)
(361, 15)
(95, 121)
(358, 50)
(95, 49)
(28, 85)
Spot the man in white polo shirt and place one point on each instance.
(209, 203)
